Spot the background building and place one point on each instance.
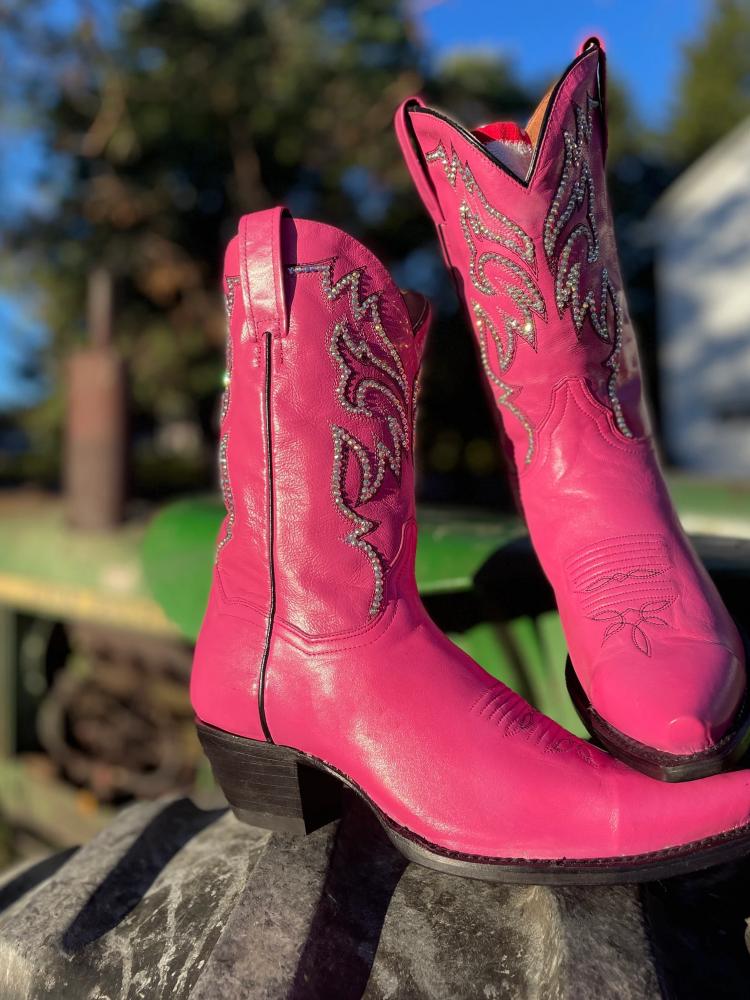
(702, 230)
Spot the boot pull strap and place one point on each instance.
(414, 161)
(262, 272)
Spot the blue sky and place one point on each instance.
(643, 37)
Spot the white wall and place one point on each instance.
(703, 275)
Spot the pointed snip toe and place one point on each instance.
(675, 723)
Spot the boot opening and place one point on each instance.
(417, 306)
(514, 146)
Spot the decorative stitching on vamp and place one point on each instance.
(624, 583)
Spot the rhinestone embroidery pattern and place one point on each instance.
(574, 190)
(519, 289)
(224, 481)
(232, 283)
(487, 330)
(511, 235)
(367, 308)
(226, 492)
(358, 396)
(397, 425)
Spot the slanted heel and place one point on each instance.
(270, 786)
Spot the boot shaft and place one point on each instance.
(316, 446)
(534, 257)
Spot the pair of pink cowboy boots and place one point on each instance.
(317, 666)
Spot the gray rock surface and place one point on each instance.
(174, 902)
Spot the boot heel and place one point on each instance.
(270, 786)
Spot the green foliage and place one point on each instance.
(714, 91)
(199, 112)
(189, 114)
(480, 86)
(170, 122)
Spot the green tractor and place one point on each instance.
(97, 629)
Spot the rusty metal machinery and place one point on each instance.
(117, 718)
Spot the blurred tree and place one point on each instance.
(171, 122)
(714, 91)
(169, 128)
(164, 121)
(479, 86)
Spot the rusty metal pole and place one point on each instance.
(96, 420)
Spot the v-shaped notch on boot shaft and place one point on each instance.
(590, 62)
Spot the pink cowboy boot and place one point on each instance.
(317, 665)
(656, 666)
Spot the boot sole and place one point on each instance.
(659, 764)
(282, 789)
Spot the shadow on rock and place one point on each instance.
(697, 925)
(33, 876)
(130, 879)
(363, 872)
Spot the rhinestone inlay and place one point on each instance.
(398, 425)
(486, 328)
(360, 307)
(231, 285)
(358, 397)
(576, 188)
(344, 445)
(519, 287)
(226, 491)
(511, 236)
(232, 282)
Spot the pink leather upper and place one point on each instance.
(536, 262)
(359, 678)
